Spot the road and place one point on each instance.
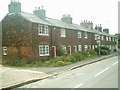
(102, 74)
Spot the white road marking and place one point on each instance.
(101, 72)
(115, 63)
(79, 85)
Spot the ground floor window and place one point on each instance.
(96, 46)
(80, 48)
(89, 47)
(93, 47)
(5, 51)
(86, 47)
(44, 50)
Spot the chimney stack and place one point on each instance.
(66, 18)
(14, 6)
(98, 27)
(40, 12)
(106, 30)
(87, 24)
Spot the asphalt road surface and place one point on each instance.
(102, 74)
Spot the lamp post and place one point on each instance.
(98, 41)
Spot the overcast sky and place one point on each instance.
(103, 12)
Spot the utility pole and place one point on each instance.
(99, 43)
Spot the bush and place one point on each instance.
(104, 48)
(60, 51)
(47, 63)
(78, 56)
(60, 63)
(12, 62)
(104, 52)
(72, 59)
(92, 52)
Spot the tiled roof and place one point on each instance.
(33, 18)
(84, 29)
(58, 23)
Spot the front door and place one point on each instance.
(69, 50)
(53, 51)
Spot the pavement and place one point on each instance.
(15, 77)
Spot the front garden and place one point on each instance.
(60, 60)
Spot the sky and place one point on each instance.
(104, 12)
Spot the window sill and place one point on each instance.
(63, 36)
(43, 35)
(44, 55)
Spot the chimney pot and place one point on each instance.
(42, 7)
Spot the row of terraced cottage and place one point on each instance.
(35, 36)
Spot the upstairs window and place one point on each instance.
(42, 30)
(85, 35)
(44, 50)
(63, 33)
(80, 48)
(95, 36)
(86, 47)
(106, 38)
(79, 34)
(109, 38)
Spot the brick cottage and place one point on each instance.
(35, 36)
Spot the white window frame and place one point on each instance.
(79, 34)
(106, 38)
(85, 47)
(85, 35)
(90, 47)
(62, 32)
(109, 38)
(43, 30)
(96, 46)
(93, 47)
(75, 48)
(102, 37)
(80, 48)
(4, 51)
(44, 50)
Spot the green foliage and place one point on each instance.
(104, 52)
(58, 61)
(78, 56)
(104, 48)
(60, 51)
(119, 41)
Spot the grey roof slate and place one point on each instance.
(58, 23)
(34, 18)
